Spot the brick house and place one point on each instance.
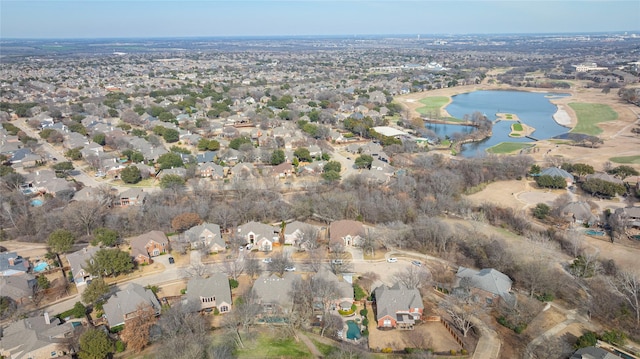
(148, 245)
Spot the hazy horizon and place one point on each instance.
(99, 19)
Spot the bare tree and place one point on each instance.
(339, 258)
(413, 277)
(252, 266)
(184, 332)
(233, 268)
(461, 314)
(627, 286)
(551, 348)
(197, 270)
(85, 215)
(242, 317)
(316, 257)
(279, 262)
(136, 330)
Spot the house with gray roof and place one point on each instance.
(605, 177)
(211, 292)
(259, 234)
(19, 287)
(398, 306)
(206, 236)
(579, 213)
(11, 263)
(274, 293)
(210, 169)
(78, 260)
(343, 290)
(558, 172)
(593, 353)
(36, 338)
(488, 282)
(295, 231)
(131, 197)
(124, 304)
(631, 215)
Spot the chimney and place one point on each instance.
(12, 261)
(46, 318)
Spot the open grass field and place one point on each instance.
(507, 147)
(590, 115)
(267, 346)
(626, 160)
(432, 105)
(517, 127)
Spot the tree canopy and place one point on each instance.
(109, 262)
(131, 175)
(170, 160)
(95, 291)
(208, 145)
(61, 240)
(108, 237)
(95, 344)
(172, 181)
(277, 157)
(364, 161)
(239, 141)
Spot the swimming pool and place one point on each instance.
(41, 267)
(354, 330)
(36, 202)
(592, 232)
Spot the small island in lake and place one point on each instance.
(518, 129)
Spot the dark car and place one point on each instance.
(171, 260)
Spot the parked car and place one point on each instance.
(289, 269)
(337, 261)
(392, 260)
(249, 246)
(267, 260)
(241, 248)
(171, 260)
(416, 263)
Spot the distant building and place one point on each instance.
(586, 67)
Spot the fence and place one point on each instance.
(452, 332)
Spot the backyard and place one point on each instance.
(267, 345)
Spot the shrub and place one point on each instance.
(183, 291)
(387, 350)
(464, 352)
(587, 339)
(119, 346)
(365, 332)
(365, 322)
(233, 283)
(363, 312)
(453, 352)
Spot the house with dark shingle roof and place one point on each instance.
(490, 283)
(580, 213)
(11, 263)
(19, 287)
(124, 304)
(593, 353)
(398, 306)
(77, 262)
(211, 292)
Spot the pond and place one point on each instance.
(532, 108)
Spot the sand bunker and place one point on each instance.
(562, 117)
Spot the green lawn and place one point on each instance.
(325, 349)
(517, 127)
(432, 105)
(590, 115)
(626, 160)
(507, 147)
(270, 347)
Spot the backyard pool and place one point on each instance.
(36, 202)
(592, 232)
(41, 267)
(354, 330)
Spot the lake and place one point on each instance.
(533, 109)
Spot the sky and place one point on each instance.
(210, 18)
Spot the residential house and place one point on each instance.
(558, 172)
(347, 232)
(11, 263)
(488, 283)
(261, 235)
(295, 231)
(282, 170)
(605, 177)
(398, 306)
(19, 287)
(210, 169)
(131, 197)
(88, 194)
(40, 337)
(23, 157)
(78, 260)
(45, 181)
(315, 151)
(211, 292)
(179, 171)
(244, 171)
(206, 236)
(344, 290)
(125, 304)
(273, 293)
(631, 215)
(593, 353)
(206, 157)
(148, 245)
(579, 213)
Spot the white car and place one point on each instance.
(249, 246)
(267, 260)
(289, 269)
(392, 260)
(416, 263)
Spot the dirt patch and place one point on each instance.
(544, 321)
(427, 335)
